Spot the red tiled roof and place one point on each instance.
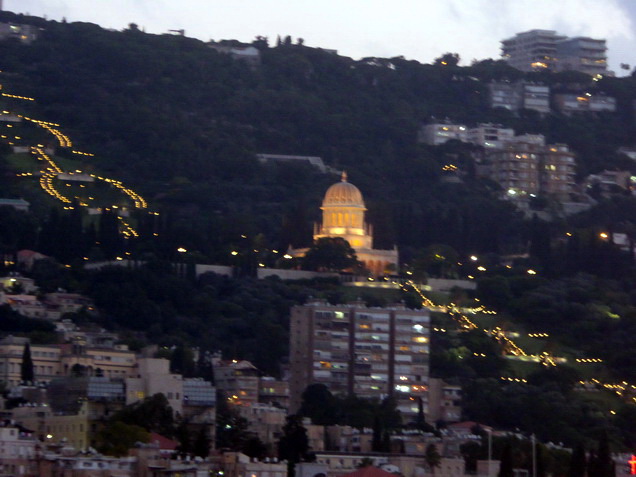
(164, 442)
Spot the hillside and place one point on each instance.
(178, 125)
(181, 124)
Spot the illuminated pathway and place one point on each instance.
(623, 389)
(51, 169)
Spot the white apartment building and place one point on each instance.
(545, 49)
(531, 50)
(519, 95)
(490, 135)
(584, 54)
(585, 102)
(438, 133)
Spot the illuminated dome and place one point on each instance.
(343, 194)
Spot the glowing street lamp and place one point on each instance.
(181, 250)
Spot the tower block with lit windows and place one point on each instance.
(343, 212)
(365, 351)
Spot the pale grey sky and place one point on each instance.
(416, 29)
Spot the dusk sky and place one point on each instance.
(417, 29)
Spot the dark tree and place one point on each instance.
(601, 463)
(294, 444)
(319, 405)
(578, 462)
(231, 429)
(153, 414)
(332, 254)
(201, 444)
(116, 438)
(26, 367)
(448, 59)
(506, 467)
(432, 457)
(182, 361)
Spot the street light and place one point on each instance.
(489, 431)
(181, 250)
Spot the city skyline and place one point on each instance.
(420, 30)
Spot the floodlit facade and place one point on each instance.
(353, 349)
(343, 216)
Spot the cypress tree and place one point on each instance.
(506, 469)
(26, 367)
(578, 462)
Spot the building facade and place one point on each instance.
(531, 50)
(584, 102)
(438, 133)
(353, 349)
(490, 135)
(584, 54)
(519, 95)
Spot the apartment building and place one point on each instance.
(238, 379)
(17, 451)
(354, 349)
(584, 102)
(527, 166)
(444, 401)
(54, 361)
(438, 133)
(584, 54)
(531, 50)
(519, 95)
(545, 49)
(490, 135)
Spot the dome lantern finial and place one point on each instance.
(343, 178)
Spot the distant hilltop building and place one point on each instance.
(343, 212)
(545, 49)
(238, 51)
(314, 161)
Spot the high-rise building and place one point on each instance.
(354, 349)
(545, 49)
(531, 50)
(587, 55)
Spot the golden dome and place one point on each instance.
(343, 194)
